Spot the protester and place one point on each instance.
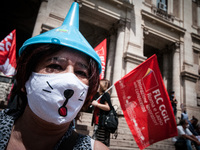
(185, 138)
(174, 102)
(102, 107)
(193, 125)
(57, 72)
(184, 114)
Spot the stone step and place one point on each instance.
(122, 148)
(124, 144)
(124, 140)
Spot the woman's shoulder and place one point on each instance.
(6, 124)
(99, 146)
(5, 116)
(86, 142)
(83, 141)
(106, 96)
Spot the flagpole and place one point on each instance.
(103, 93)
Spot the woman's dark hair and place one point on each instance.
(27, 63)
(104, 85)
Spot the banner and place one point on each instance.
(146, 104)
(8, 54)
(101, 50)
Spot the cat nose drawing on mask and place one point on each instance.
(63, 109)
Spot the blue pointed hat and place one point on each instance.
(67, 34)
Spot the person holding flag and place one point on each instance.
(57, 72)
(101, 107)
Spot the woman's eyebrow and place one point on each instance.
(82, 65)
(61, 59)
(57, 59)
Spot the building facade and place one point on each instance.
(135, 30)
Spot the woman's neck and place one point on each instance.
(36, 133)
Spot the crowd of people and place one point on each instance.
(188, 132)
(188, 128)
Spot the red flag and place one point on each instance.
(101, 50)
(8, 54)
(146, 104)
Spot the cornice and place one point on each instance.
(163, 22)
(129, 57)
(190, 76)
(161, 34)
(124, 3)
(119, 3)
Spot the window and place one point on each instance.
(162, 5)
(194, 12)
(196, 57)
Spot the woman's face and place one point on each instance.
(66, 61)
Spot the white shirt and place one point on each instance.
(185, 116)
(181, 131)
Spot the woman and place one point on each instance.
(101, 107)
(57, 72)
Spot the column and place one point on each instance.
(40, 18)
(181, 11)
(176, 73)
(198, 14)
(110, 58)
(170, 6)
(154, 2)
(181, 49)
(166, 71)
(118, 57)
(176, 68)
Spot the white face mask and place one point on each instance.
(55, 98)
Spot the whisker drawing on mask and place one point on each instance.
(46, 91)
(49, 85)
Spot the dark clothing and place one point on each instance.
(105, 98)
(181, 144)
(192, 129)
(100, 133)
(98, 113)
(173, 103)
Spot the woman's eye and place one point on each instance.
(81, 74)
(55, 67)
